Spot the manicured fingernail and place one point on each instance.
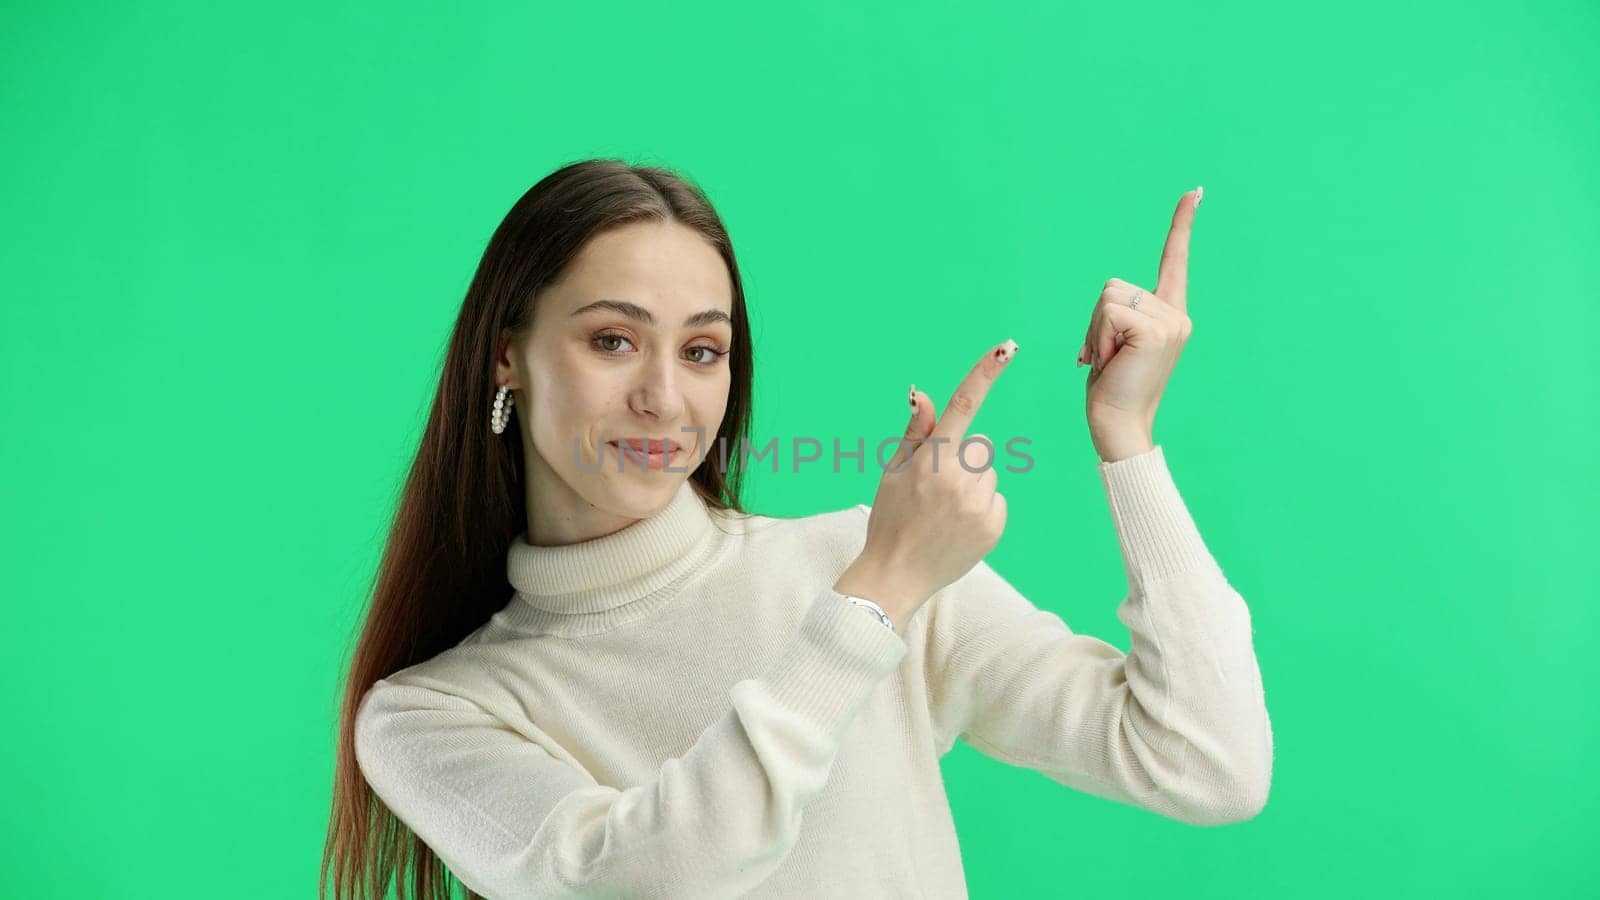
(1005, 351)
(1199, 194)
(913, 395)
(1083, 355)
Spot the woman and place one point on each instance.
(683, 699)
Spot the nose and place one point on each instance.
(656, 393)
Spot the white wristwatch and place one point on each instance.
(873, 607)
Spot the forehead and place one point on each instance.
(658, 265)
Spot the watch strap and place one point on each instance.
(871, 607)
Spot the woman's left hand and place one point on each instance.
(1133, 342)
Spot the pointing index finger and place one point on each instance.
(970, 393)
(1172, 284)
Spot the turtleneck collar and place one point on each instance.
(604, 579)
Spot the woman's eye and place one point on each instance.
(600, 341)
(710, 356)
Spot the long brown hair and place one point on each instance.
(443, 570)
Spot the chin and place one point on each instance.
(639, 495)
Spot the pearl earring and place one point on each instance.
(501, 414)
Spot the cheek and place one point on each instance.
(562, 434)
(565, 408)
(578, 410)
(572, 394)
(710, 404)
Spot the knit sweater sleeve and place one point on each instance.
(1178, 725)
(515, 816)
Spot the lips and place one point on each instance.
(658, 446)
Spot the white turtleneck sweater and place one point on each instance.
(686, 708)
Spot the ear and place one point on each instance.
(505, 372)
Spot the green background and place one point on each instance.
(235, 239)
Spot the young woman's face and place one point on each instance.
(593, 372)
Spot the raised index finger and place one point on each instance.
(1172, 284)
(969, 394)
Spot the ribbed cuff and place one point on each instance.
(838, 655)
(1156, 532)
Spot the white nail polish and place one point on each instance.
(1006, 351)
(1199, 194)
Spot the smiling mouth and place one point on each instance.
(652, 446)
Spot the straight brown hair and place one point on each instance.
(443, 568)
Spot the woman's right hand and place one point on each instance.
(933, 518)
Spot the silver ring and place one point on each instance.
(1134, 303)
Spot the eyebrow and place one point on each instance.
(639, 313)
